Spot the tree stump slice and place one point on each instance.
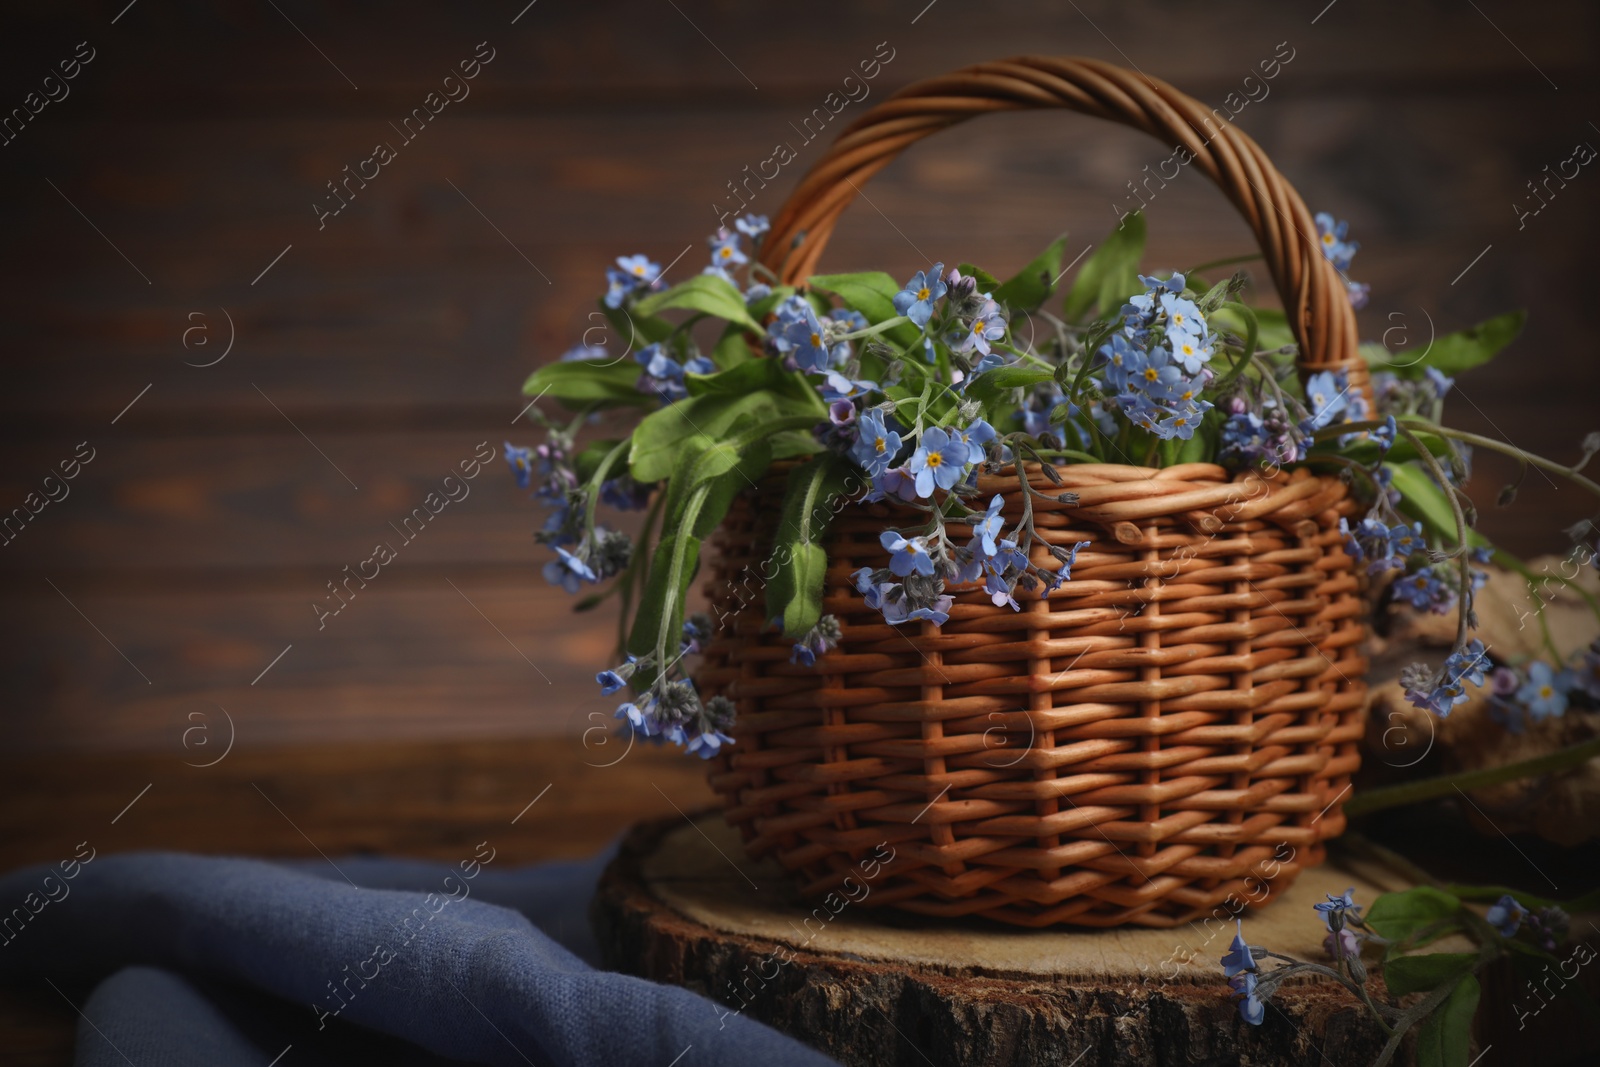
(682, 903)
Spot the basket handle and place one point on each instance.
(1314, 295)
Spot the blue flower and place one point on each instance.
(1506, 915)
(725, 251)
(896, 483)
(799, 335)
(1544, 693)
(988, 324)
(1182, 421)
(938, 461)
(1360, 293)
(1238, 957)
(1251, 1009)
(707, 743)
(1183, 317)
(610, 681)
(986, 532)
(1342, 944)
(1331, 234)
(1423, 590)
(916, 300)
(975, 436)
(567, 570)
(752, 226)
(521, 462)
(999, 591)
(1440, 699)
(1065, 571)
(1333, 911)
(898, 611)
(1384, 435)
(582, 352)
(1325, 398)
(1192, 351)
(631, 274)
(1469, 664)
(1440, 381)
(700, 365)
(850, 321)
(875, 445)
(639, 268)
(757, 292)
(986, 363)
(838, 387)
(636, 717)
(868, 588)
(907, 554)
(803, 654)
(624, 494)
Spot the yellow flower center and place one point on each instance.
(935, 458)
(922, 294)
(726, 253)
(977, 325)
(1150, 374)
(638, 271)
(1327, 238)
(880, 444)
(816, 341)
(1545, 692)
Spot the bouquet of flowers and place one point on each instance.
(859, 387)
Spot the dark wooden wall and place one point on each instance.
(374, 354)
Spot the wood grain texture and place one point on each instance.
(197, 139)
(875, 991)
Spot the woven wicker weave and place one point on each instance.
(1174, 727)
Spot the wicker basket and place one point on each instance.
(1168, 736)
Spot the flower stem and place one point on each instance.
(1395, 796)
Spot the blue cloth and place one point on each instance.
(186, 960)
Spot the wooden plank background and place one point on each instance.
(378, 352)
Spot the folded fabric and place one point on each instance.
(199, 960)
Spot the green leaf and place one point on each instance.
(1588, 902)
(635, 329)
(1032, 285)
(706, 293)
(732, 349)
(1414, 974)
(1422, 499)
(1111, 274)
(1456, 352)
(871, 293)
(814, 493)
(1444, 1038)
(993, 384)
(1399, 915)
(766, 376)
(793, 443)
(582, 383)
(684, 548)
(659, 435)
